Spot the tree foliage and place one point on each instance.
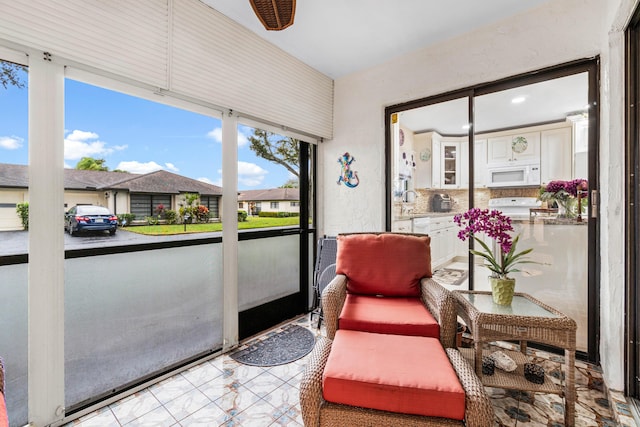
(91, 164)
(284, 151)
(10, 74)
(291, 183)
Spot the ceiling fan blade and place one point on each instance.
(274, 14)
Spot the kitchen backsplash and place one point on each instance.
(460, 198)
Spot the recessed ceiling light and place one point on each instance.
(518, 100)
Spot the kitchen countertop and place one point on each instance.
(425, 215)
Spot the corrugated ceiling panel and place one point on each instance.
(128, 38)
(216, 59)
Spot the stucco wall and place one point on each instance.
(555, 33)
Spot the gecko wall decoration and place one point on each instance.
(349, 177)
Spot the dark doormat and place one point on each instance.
(290, 344)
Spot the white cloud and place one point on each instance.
(139, 167)
(242, 140)
(250, 174)
(11, 142)
(205, 180)
(79, 144)
(216, 135)
(171, 167)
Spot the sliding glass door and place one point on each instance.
(525, 146)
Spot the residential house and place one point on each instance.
(188, 54)
(269, 200)
(118, 191)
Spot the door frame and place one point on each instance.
(632, 211)
(592, 67)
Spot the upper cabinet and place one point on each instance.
(513, 147)
(555, 155)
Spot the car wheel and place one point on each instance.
(112, 232)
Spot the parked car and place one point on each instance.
(90, 218)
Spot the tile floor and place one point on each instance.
(223, 392)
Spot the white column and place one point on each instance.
(46, 240)
(230, 227)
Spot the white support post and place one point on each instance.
(230, 228)
(46, 240)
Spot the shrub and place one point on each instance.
(23, 213)
(202, 213)
(171, 216)
(125, 219)
(278, 214)
(242, 216)
(151, 220)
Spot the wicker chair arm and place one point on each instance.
(1, 376)
(333, 298)
(311, 383)
(441, 304)
(478, 409)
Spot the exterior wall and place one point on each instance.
(265, 206)
(9, 219)
(557, 32)
(72, 198)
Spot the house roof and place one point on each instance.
(292, 194)
(166, 182)
(17, 176)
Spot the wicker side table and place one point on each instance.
(527, 319)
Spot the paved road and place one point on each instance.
(16, 242)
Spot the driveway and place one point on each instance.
(16, 242)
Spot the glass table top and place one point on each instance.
(520, 306)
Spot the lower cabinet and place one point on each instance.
(401, 226)
(443, 240)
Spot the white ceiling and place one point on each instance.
(339, 37)
(551, 100)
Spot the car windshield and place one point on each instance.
(92, 210)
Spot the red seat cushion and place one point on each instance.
(383, 315)
(384, 264)
(409, 375)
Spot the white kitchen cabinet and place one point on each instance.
(436, 162)
(479, 163)
(446, 167)
(555, 155)
(402, 226)
(443, 233)
(513, 148)
(479, 160)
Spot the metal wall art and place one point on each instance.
(348, 176)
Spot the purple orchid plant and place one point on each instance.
(496, 226)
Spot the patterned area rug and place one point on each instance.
(290, 344)
(449, 276)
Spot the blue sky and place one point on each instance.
(135, 135)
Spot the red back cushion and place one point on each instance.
(384, 264)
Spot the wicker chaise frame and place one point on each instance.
(438, 300)
(318, 412)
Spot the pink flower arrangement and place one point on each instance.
(496, 226)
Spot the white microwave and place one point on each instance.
(514, 175)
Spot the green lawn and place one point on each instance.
(251, 222)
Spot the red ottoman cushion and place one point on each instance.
(400, 316)
(405, 374)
